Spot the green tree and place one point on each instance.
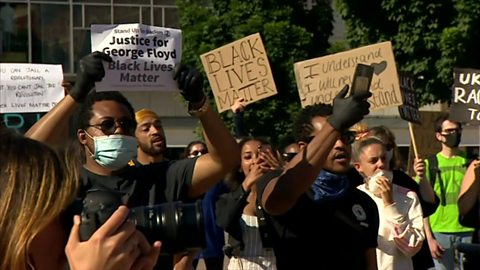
(429, 38)
(289, 32)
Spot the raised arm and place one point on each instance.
(223, 153)
(470, 189)
(52, 128)
(282, 192)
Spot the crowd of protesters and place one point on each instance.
(330, 196)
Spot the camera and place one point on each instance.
(178, 225)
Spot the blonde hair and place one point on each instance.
(34, 192)
(359, 145)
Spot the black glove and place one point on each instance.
(190, 83)
(350, 110)
(90, 71)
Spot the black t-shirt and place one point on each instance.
(150, 184)
(142, 185)
(328, 235)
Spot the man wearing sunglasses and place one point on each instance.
(322, 220)
(105, 131)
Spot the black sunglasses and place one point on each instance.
(288, 156)
(347, 137)
(108, 126)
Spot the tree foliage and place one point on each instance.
(429, 38)
(289, 32)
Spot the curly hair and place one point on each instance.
(303, 127)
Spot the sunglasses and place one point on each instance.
(347, 137)
(109, 126)
(288, 156)
(197, 153)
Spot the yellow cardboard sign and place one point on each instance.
(239, 70)
(320, 79)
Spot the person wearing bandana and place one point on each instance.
(445, 229)
(321, 219)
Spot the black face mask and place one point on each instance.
(453, 139)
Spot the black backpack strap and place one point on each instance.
(435, 174)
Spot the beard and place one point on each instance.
(152, 150)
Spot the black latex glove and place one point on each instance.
(348, 110)
(90, 70)
(190, 83)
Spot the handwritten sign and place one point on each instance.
(320, 79)
(409, 109)
(239, 70)
(144, 57)
(466, 96)
(30, 87)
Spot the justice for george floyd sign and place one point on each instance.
(30, 88)
(320, 79)
(465, 106)
(239, 70)
(144, 57)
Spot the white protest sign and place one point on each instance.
(144, 57)
(27, 88)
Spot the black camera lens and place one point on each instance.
(178, 225)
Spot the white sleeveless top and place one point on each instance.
(254, 256)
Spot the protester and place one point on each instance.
(322, 220)
(105, 129)
(446, 178)
(469, 208)
(150, 135)
(250, 236)
(428, 200)
(400, 234)
(212, 254)
(36, 192)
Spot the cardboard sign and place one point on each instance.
(239, 70)
(320, 79)
(427, 144)
(29, 88)
(465, 106)
(409, 109)
(144, 57)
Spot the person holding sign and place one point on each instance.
(316, 183)
(35, 184)
(105, 132)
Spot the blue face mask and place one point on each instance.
(114, 151)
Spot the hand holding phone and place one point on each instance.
(362, 78)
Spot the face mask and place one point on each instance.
(388, 156)
(372, 181)
(115, 151)
(453, 139)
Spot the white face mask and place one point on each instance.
(371, 181)
(114, 151)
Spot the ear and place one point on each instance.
(82, 136)
(302, 145)
(357, 167)
(438, 136)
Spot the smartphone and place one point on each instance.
(362, 78)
